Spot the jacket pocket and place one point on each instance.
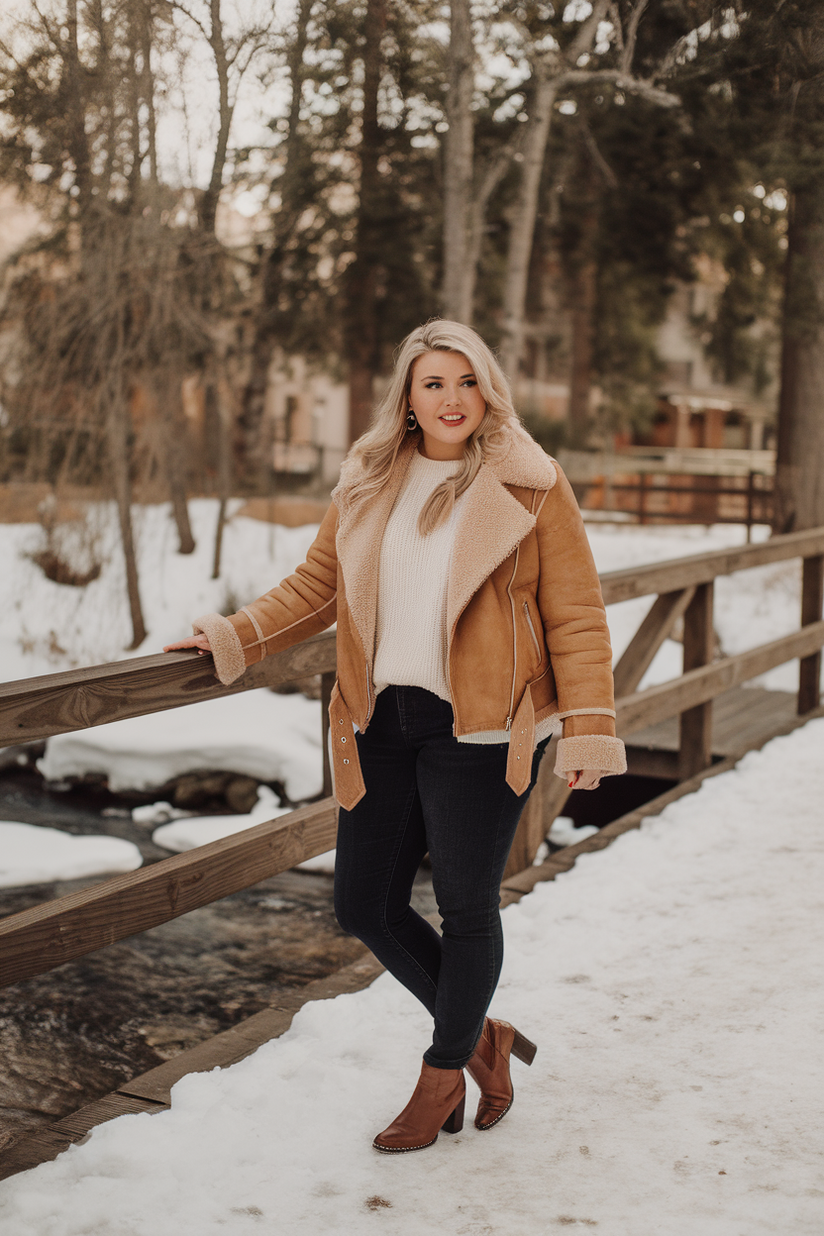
(529, 623)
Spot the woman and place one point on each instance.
(470, 626)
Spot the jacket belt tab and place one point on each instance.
(349, 783)
(521, 745)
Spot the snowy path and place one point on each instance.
(673, 984)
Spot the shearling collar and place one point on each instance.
(491, 525)
(525, 464)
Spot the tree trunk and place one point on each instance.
(583, 271)
(522, 227)
(269, 281)
(362, 312)
(457, 152)
(208, 203)
(224, 466)
(175, 434)
(799, 481)
(118, 438)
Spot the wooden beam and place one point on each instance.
(812, 603)
(701, 568)
(44, 937)
(656, 627)
(655, 704)
(695, 746)
(36, 708)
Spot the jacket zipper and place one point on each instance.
(514, 641)
(368, 697)
(529, 623)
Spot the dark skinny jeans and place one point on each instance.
(425, 791)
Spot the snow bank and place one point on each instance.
(46, 626)
(257, 734)
(670, 984)
(31, 854)
(188, 831)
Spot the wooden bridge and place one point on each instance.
(47, 936)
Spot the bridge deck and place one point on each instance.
(741, 717)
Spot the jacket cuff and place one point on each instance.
(591, 751)
(226, 647)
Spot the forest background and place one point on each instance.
(398, 159)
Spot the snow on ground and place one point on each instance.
(31, 854)
(670, 983)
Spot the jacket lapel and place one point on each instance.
(491, 525)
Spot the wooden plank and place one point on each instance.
(701, 568)
(36, 708)
(643, 762)
(37, 940)
(695, 732)
(812, 603)
(50, 1140)
(645, 708)
(656, 627)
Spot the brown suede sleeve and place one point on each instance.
(301, 605)
(575, 626)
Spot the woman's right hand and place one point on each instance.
(200, 642)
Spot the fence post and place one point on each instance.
(695, 751)
(812, 603)
(750, 504)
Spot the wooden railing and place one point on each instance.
(48, 935)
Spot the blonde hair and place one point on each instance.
(373, 457)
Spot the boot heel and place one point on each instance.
(523, 1048)
(454, 1123)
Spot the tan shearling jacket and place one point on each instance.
(527, 631)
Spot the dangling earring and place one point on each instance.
(411, 421)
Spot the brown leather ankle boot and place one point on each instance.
(437, 1103)
(489, 1069)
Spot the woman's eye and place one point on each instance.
(433, 386)
(470, 382)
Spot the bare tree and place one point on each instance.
(458, 248)
(232, 55)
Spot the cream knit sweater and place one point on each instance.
(411, 636)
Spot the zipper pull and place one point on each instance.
(508, 725)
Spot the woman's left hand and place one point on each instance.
(585, 779)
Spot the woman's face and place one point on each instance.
(445, 398)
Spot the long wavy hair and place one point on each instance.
(373, 456)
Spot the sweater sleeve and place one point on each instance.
(301, 605)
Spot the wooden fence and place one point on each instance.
(37, 940)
